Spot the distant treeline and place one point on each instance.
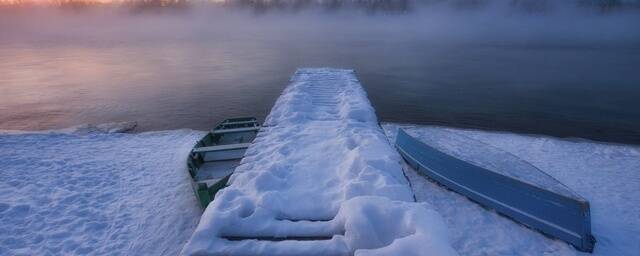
(79, 5)
(408, 5)
(368, 5)
(156, 5)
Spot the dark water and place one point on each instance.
(570, 75)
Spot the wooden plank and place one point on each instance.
(244, 129)
(221, 147)
(214, 156)
(240, 122)
(554, 214)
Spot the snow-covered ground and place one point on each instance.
(607, 175)
(86, 191)
(320, 167)
(321, 156)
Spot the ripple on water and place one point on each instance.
(13, 243)
(4, 207)
(18, 211)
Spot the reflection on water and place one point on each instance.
(566, 75)
(161, 86)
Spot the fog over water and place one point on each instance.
(560, 70)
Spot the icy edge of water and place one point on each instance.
(114, 127)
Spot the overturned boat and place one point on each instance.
(513, 188)
(214, 158)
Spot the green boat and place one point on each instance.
(214, 158)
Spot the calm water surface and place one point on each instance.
(192, 73)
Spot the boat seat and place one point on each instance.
(212, 172)
(244, 129)
(240, 122)
(221, 147)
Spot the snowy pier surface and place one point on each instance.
(320, 179)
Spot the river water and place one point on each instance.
(567, 74)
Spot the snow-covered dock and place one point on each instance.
(320, 179)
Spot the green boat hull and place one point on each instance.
(213, 158)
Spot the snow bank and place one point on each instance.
(320, 168)
(607, 175)
(86, 191)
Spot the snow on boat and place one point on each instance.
(213, 159)
(319, 179)
(505, 183)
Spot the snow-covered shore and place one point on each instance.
(86, 191)
(82, 191)
(321, 167)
